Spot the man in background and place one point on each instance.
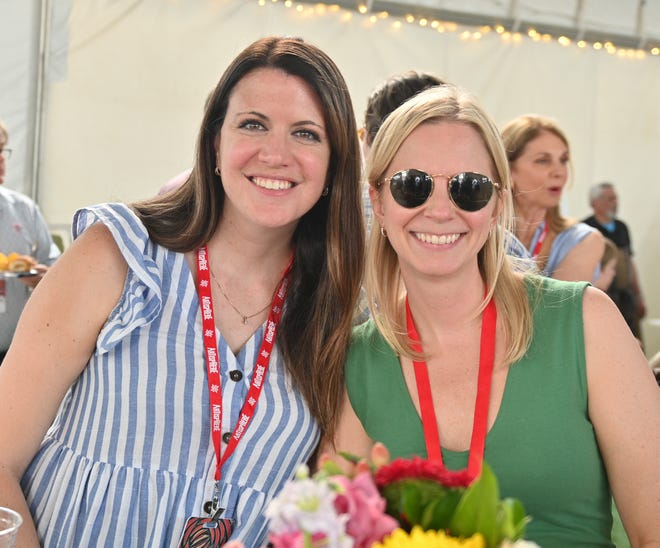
(625, 290)
(23, 230)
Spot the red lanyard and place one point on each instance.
(539, 242)
(480, 425)
(213, 365)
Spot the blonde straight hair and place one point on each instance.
(385, 288)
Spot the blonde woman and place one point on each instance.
(467, 360)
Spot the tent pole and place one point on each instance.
(640, 31)
(579, 19)
(39, 100)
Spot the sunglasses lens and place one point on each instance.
(470, 191)
(411, 187)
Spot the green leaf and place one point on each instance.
(438, 513)
(328, 469)
(411, 504)
(407, 500)
(512, 519)
(478, 509)
(350, 457)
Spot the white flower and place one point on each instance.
(308, 505)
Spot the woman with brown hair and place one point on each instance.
(198, 357)
(539, 159)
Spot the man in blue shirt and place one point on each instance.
(23, 230)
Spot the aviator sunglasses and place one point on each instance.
(468, 191)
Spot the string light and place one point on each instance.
(397, 23)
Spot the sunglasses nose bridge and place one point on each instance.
(439, 201)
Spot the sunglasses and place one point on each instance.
(468, 191)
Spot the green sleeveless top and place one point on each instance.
(542, 446)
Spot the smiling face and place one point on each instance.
(273, 151)
(437, 238)
(540, 173)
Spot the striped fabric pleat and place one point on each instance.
(129, 457)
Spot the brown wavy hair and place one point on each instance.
(329, 240)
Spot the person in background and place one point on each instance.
(175, 182)
(466, 359)
(539, 160)
(23, 230)
(199, 356)
(180, 178)
(625, 289)
(390, 94)
(654, 364)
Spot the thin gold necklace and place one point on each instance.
(244, 317)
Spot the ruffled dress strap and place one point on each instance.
(141, 298)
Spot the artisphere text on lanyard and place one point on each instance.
(213, 365)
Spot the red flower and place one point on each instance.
(419, 468)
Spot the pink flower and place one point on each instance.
(361, 501)
(295, 539)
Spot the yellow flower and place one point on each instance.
(419, 538)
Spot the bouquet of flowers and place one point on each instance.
(403, 503)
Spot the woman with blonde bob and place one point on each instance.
(468, 360)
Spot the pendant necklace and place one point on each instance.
(244, 317)
(480, 424)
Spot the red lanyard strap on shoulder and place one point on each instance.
(480, 424)
(213, 364)
(540, 240)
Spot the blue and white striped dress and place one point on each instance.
(130, 455)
